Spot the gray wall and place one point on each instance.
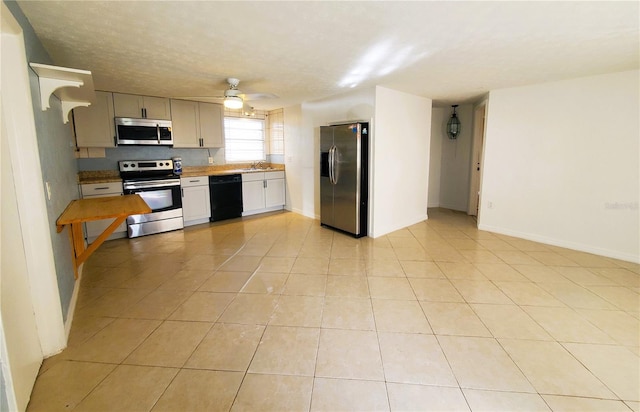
(55, 147)
(190, 157)
(454, 158)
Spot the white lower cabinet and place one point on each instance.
(196, 206)
(262, 192)
(274, 192)
(95, 228)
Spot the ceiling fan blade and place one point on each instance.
(200, 98)
(259, 96)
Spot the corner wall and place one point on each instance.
(302, 143)
(399, 154)
(561, 164)
(400, 166)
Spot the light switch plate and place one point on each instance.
(48, 186)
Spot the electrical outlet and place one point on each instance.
(210, 160)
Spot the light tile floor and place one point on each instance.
(277, 313)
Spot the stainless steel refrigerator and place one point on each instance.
(344, 177)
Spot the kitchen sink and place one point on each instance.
(261, 169)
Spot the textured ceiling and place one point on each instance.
(452, 52)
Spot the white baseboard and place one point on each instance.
(72, 304)
(268, 209)
(563, 243)
(196, 222)
(303, 213)
(452, 207)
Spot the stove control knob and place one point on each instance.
(125, 165)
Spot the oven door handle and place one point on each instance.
(142, 185)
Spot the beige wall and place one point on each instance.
(561, 164)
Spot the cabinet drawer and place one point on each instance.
(194, 181)
(274, 175)
(252, 177)
(92, 189)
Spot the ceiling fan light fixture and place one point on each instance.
(233, 102)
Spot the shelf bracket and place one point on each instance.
(73, 87)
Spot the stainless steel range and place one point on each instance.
(155, 182)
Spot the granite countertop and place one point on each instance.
(192, 171)
(110, 176)
(99, 176)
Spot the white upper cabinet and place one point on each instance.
(131, 105)
(197, 124)
(94, 126)
(184, 123)
(211, 124)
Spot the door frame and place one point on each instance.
(477, 148)
(18, 121)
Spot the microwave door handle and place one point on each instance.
(158, 132)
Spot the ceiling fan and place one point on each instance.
(233, 97)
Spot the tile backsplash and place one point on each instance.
(190, 157)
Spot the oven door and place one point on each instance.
(162, 196)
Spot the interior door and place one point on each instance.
(346, 174)
(326, 187)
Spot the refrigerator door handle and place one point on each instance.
(336, 165)
(331, 157)
(329, 164)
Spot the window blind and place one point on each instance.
(244, 139)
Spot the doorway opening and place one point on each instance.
(477, 145)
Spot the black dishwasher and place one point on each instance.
(226, 197)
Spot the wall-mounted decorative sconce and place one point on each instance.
(453, 125)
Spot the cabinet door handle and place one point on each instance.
(101, 188)
(182, 191)
(264, 184)
(194, 181)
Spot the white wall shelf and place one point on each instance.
(73, 87)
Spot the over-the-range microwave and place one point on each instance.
(130, 131)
